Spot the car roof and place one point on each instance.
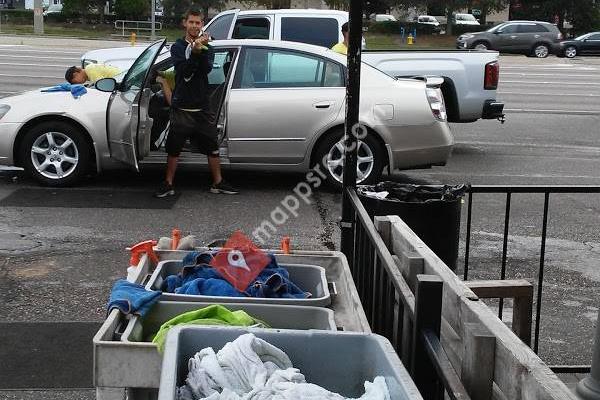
(279, 44)
(294, 11)
(530, 22)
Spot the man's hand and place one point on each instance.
(201, 42)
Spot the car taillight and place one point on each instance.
(492, 75)
(436, 102)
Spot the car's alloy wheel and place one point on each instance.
(541, 51)
(55, 153)
(570, 51)
(329, 157)
(364, 163)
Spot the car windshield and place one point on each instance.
(582, 37)
(495, 28)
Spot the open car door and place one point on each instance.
(123, 113)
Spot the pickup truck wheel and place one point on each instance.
(541, 50)
(481, 45)
(330, 157)
(570, 51)
(55, 153)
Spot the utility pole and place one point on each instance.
(38, 17)
(153, 34)
(351, 128)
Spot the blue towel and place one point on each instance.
(76, 90)
(199, 278)
(132, 298)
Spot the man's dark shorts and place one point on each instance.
(198, 126)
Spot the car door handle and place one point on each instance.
(323, 104)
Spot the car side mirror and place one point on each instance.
(106, 85)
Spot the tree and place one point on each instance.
(489, 6)
(583, 14)
(175, 9)
(132, 9)
(75, 7)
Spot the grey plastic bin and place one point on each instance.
(337, 361)
(276, 315)
(310, 278)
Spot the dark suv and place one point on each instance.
(526, 37)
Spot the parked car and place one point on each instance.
(427, 20)
(464, 19)
(53, 9)
(280, 106)
(470, 78)
(588, 44)
(525, 37)
(383, 17)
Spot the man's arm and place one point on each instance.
(185, 65)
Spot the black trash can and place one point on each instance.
(431, 211)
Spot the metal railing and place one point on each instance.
(125, 25)
(410, 321)
(547, 191)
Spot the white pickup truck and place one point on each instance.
(470, 76)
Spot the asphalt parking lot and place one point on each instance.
(61, 249)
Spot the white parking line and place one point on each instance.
(39, 57)
(550, 94)
(32, 76)
(38, 50)
(536, 74)
(37, 65)
(589, 149)
(484, 175)
(550, 83)
(537, 111)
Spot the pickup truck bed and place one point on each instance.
(464, 77)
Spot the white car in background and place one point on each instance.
(464, 19)
(427, 20)
(280, 106)
(383, 17)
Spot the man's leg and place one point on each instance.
(171, 168)
(214, 164)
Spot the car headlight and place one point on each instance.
(467, 36)
(436, 102)
(4, 108)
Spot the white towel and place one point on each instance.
(249, 368)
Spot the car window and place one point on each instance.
(137, 73)
(531, 28)
(594, 37)
(508, 29)
(264, 68)
(221, 65)
(251, 28)
(318, 31)
(219, 28)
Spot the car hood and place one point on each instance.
(567, 42)
(28, 105)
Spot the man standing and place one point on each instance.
(191, 116)
(342, 47)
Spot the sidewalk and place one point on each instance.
(70, 43)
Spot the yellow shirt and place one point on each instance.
(169, 75)
(340, 48)
(96, 72)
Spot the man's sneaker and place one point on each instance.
(164, 191)
(224, 188)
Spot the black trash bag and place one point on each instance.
(414, 193)
(431, 211)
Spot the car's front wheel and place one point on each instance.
(541, 50)
(330, 157)
(570, 51)
(55, 153)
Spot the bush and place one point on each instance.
(393, 27)
(17, 16)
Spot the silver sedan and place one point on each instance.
(280, 105)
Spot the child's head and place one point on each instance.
(76, 75)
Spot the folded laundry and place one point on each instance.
(76, 90)
(211, 315)
(250, 368)
(199, 278)
(131, 298)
